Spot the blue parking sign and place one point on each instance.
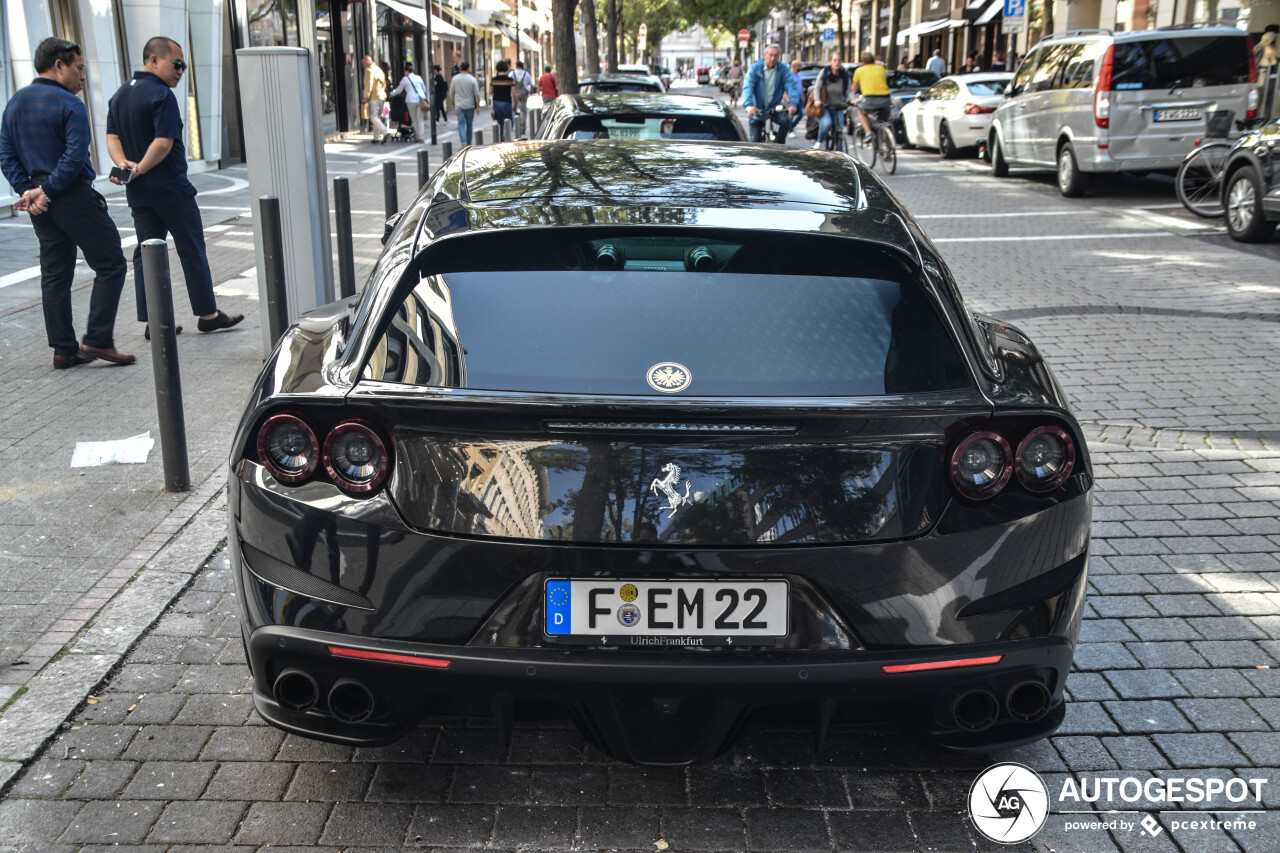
(1015, 8)
(829, 34)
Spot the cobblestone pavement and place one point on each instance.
(1165, 340)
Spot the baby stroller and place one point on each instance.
(400, 115)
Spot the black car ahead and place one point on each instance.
(1251, 185)
(664, 436)
(620, 83)
(640, 115)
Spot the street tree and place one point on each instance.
(591, 36)
(566, 48)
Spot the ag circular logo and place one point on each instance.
(1008, 803)
(669, 377)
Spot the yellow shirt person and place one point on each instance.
(870, 79)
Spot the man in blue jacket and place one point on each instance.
(767, 81)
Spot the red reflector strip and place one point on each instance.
(941, 664)
(341, 652)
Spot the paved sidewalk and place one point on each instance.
(72, 539)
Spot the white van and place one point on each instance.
(1096, 101)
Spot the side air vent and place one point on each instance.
(639, 426)
(279, 573)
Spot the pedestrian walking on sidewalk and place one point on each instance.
(548, 86)
(44, 154)
(524, 85)
(464, 91)
(439, 95)
(415, 97)
(502, 93)
(375, 95)
(145, 136)
(937, 64)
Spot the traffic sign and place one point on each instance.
(744, 36)
(1013, 25)
(1015, 8)
(829, 34)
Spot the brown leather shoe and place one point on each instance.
(62, 362)
(222, 321)
(110, 354)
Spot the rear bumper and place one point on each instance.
(660, 708)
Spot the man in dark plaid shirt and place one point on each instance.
(44, 154)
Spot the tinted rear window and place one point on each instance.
(651, 127)
(620, 86)
(987, 87)
(585, 331)
(1181, 63)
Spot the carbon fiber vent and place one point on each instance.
(279, 573)
(640, 426)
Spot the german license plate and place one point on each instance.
(666, 612)
(616, 132)
(1180, 114)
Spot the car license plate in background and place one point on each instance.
(1180, 114)
(666, 612)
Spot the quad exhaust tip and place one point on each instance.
(975, 710)
(296, 690)
(1028, 701)
(350, 701)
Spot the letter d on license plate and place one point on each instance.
(619, 611)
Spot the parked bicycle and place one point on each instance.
(1199, 179)
(877, 146)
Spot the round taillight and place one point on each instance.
(981, 464)
(1045, 458)
(288, 448)
(355, 457)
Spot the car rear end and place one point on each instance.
(980, 95)
(660, 482)
(1155, 92)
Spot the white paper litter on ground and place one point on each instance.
(129, 451)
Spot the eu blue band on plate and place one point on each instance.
(559, 601)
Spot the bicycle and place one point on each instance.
(876, 146)
(1199, 179)
(835, 137)
(735, 92)
(773, 123)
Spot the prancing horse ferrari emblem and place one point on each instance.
(667, 486)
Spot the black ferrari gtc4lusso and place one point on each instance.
(666, 437)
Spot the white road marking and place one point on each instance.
(1006, 215)
(1162, 221)
(1030, 238)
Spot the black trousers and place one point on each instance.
(77, 219)
(182, 220)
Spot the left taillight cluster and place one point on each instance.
(355, 457)
(983, 461)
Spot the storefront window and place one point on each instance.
(273, 23)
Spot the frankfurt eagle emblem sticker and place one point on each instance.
(669, 377)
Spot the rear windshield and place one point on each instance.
(987, 87)
(651, 127)
(620, 86)
(731, 334)
(1187, 62)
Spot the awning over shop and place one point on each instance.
(479, 20)
(439, 27)
(983, 12)
(525, 42)
(925, 28)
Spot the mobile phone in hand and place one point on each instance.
(121, 175)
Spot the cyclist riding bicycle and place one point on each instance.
(831, 90)
(872, 82)
(767, 81)
(735, 81)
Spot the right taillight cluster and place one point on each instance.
(984, 461)
(354, 455)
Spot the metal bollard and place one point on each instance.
(273, 260)
(346, 252)
(424, 168)
(508, 131)
(479, 134)
(390, 200)
(164, 359)
(448, 149)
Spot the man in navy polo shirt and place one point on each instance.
(44, 154)
(144, 133)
